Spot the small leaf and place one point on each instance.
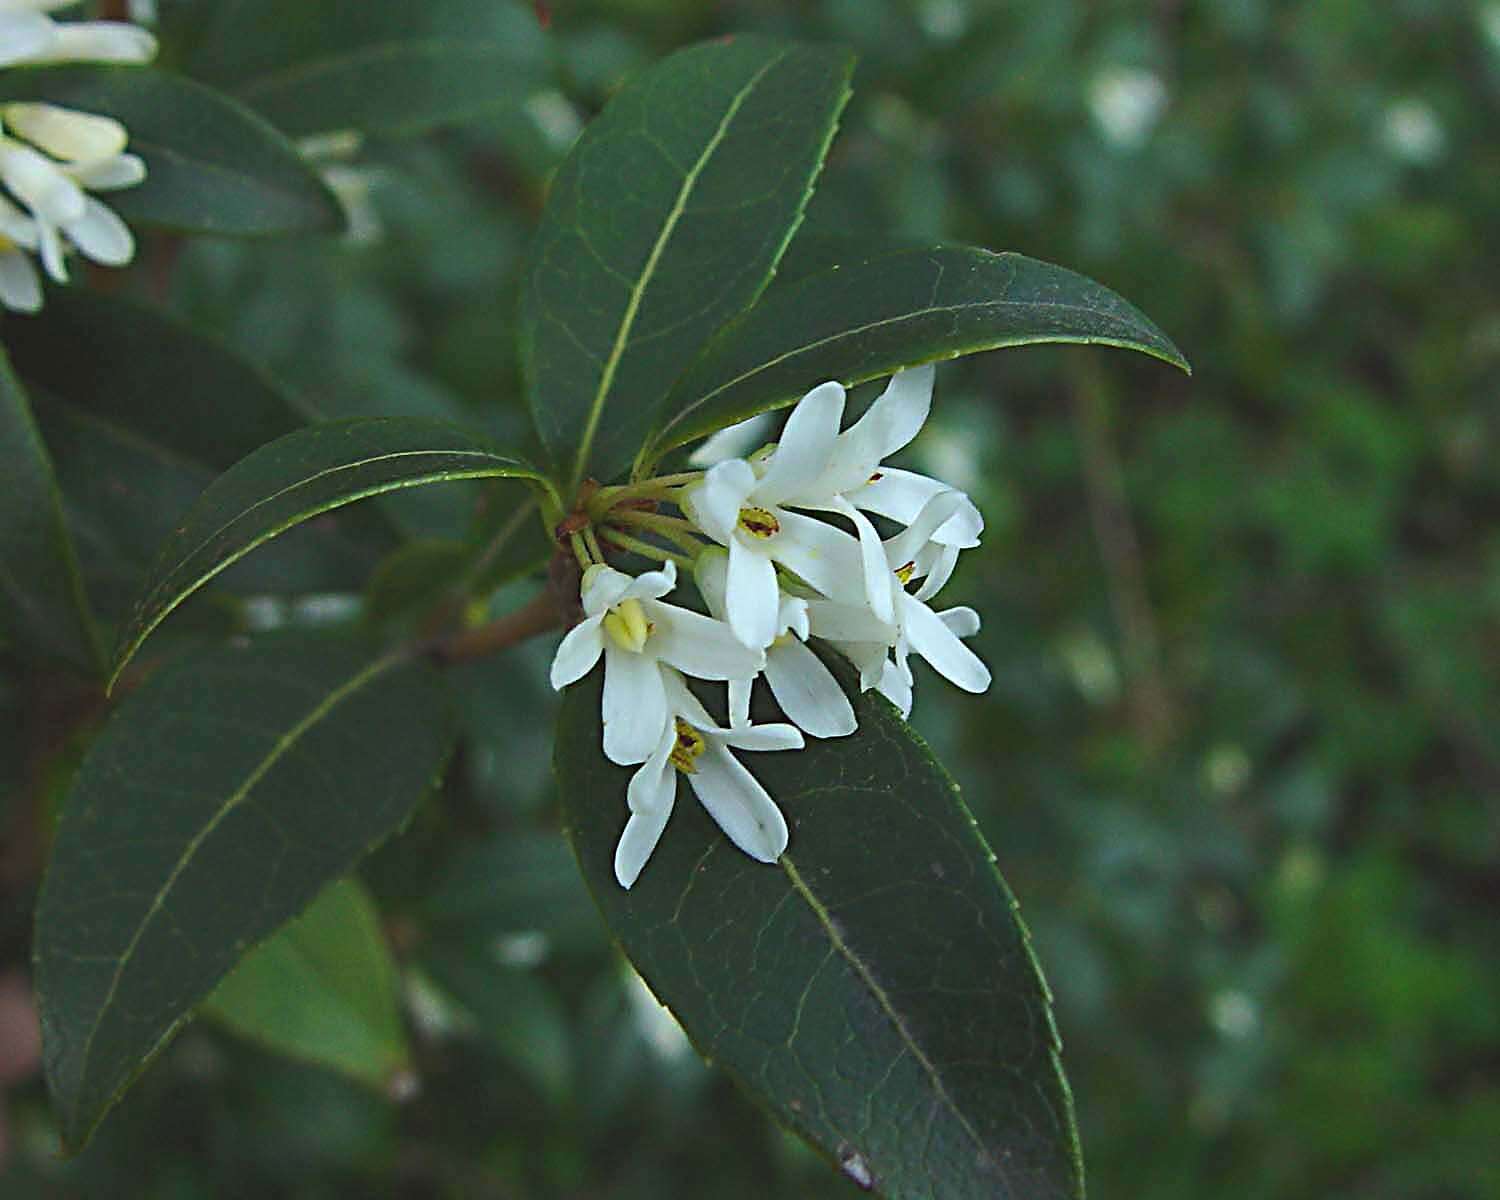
(295, 478)
(875, 316)
(311, 66)
(216, 804)
(213, 166)
(875, 990)
(720, 144)
(147, 372)
(324, 990)
(43, 609)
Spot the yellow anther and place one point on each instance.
(6, 245)
(905, 572)
(626, 623)
(759, 522)
(688, 749)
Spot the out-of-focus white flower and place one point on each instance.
(639, 636)
(1126, 103)
(351, 183)
(1413, 132)
(29, 36)
(692, 744)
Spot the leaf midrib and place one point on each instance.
(632, 306)
(278, 751)
(857, 964)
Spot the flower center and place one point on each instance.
(905, 571)
(6, 245)
(688, 748)
(759, 522)
(626, 623)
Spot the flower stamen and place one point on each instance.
(626, 623)
(687, 748)
(759, 522)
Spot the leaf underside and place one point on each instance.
(876, 990)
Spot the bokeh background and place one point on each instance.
(1240, 761)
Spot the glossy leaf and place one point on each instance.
(325, 990)
(875, 990)
(43, 609)
(151, 374)
(720, 144)
(872, 317)
(213, 166)
(310, 66)
(295, 478)
(219, 800)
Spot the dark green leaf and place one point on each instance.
(124, 495)
(297, 477)
(324, 990)
(311, 66)
(720, 144)
(213, 165)
(876, 990)
(872, 317)
(217, 802)
(43, 609)
(144, 371)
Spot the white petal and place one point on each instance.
(634, 708)
(806, 445)
(601, 588)
(637, 842)
(654, 785)
(17, 226)
(763, 737)
(40, 184)
(848, 623)
(827, 557)
(578, 652)
(101, 236)
(888, 424)
(735, 441)
(807, 691)
(108, 174)
(792, 617)
(880, 580)
(50, 244)
(20, 288)
(936, 564)
(711, 574)
(900, 496)
(683, 703)
(896, 688)
(697, 645)
(963, 621)
(100, 41)
(906, 545)
(63, 133)
(733, 798)
(751, 596)
(653, 585)
(869, 657)
(23, 36)
(939, 645)
(739, 702)
(716, 502)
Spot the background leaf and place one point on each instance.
(876, 990)
(311, 66)
(324, 990)
(218, 801)
(297, 477)
(721, 143)
(42, 604)
(873, 317)
(220, 170)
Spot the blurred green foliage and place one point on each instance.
(1239, 761)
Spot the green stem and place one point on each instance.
(674, 529)
(646, 549)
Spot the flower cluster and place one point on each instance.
(51, 158)
(783, 549)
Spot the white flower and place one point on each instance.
(28, 36)
(691, 744)
(745, 513)
(639, 636)
(915, 628)
(803, 686)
